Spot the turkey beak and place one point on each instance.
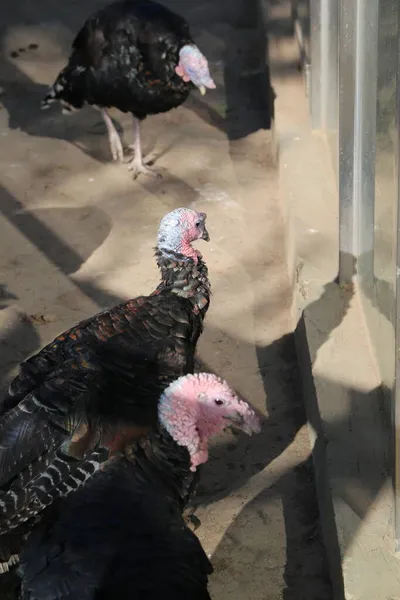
(202, 90)
(205, 235)
(238, 422)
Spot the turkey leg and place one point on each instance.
(116, 148)
(136, 164)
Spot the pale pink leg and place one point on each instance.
(116, 148)
(136, 164)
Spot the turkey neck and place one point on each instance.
(180, 275)
(159, 458)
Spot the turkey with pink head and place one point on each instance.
(122, 535)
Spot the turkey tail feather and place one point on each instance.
(25, 435)
(55, 91)
(62, 476)
(67, 88)
(15, 498)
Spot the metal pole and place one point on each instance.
(315, 76)
(358, 44)
(396, 403)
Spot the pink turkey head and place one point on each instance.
(193, 66)
(195, 407)
(179, 228)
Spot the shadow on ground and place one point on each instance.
(360, 434)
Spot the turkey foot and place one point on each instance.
(136, 164)
(138, 167)
(116, 147)
(192, 521)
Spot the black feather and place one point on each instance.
(122, 535)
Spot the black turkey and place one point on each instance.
(122, 535)
(137, 56)
(69, 399)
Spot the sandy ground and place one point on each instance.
(77, 235)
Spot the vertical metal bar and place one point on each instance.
(347, 90)
(365, 133)
(320, 11)
(396, 407)
(331, 99)
(316, 78)
(324, 61)
(358, 42)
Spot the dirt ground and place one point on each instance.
(77, 235)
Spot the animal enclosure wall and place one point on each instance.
(353, 87)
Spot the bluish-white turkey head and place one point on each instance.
(179, 228)
(193, 66)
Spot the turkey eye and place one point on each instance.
(218, 402)
(198, 223)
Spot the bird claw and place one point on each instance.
(139, 168)
(192, 521)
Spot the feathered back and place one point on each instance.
(156, 32)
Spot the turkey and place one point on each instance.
(69, 399)
(134, 55)
(122, 535)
